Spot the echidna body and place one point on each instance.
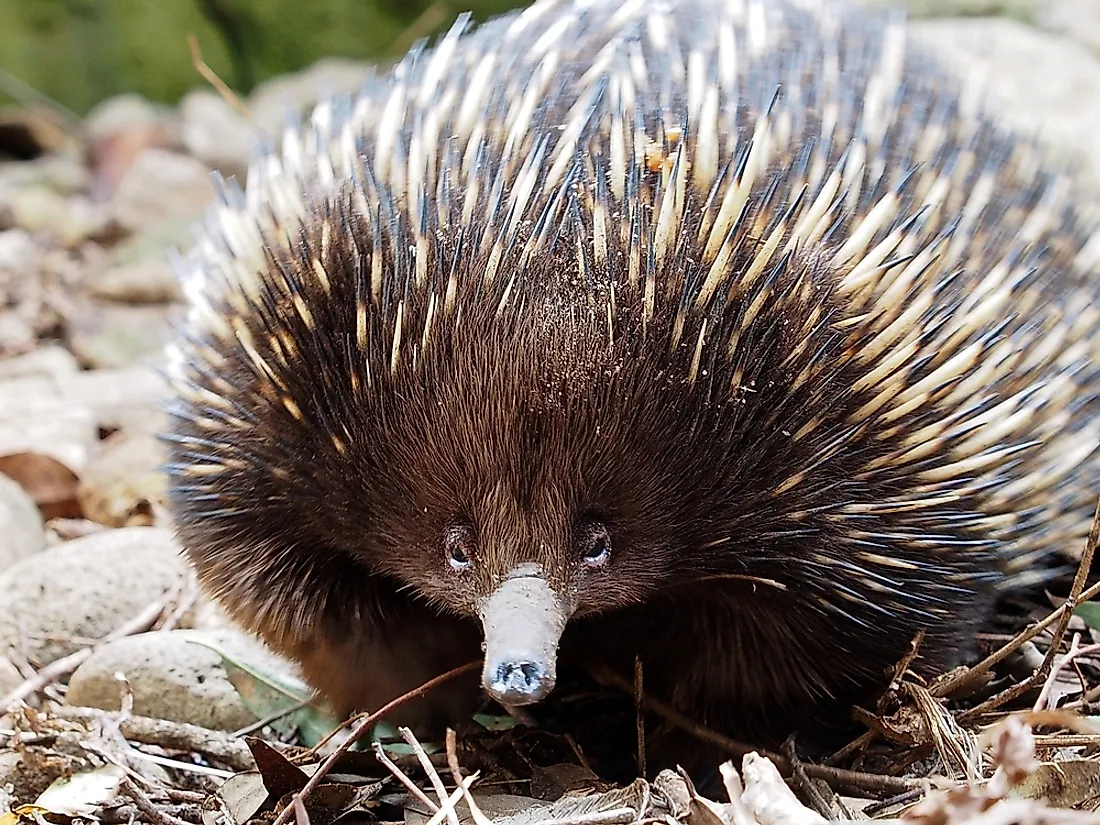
(723, 333)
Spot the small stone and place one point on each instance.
(22, 532)
(129, 397)
(123, 113)
(45, 362)
(17, 248)
(145, 282)
(272, 100)
(216, 133)
(172, 677)
(69, 220)
(105, 335)
(84, 589)
(160, 187)
(123, 480)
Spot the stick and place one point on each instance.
(360, 730)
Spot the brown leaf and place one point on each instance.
(50, 483)
(279, 775)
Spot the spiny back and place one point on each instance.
(776, 205)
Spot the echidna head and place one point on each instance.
(522, 493)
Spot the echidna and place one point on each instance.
(727, 334)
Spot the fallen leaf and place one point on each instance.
(279, 775)
(51, 484)
(82, 793)
(244, 795)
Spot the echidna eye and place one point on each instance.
(458, 544)
(595, 545)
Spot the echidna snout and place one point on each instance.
(523, 621)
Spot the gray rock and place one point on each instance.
(172, 677)
(105, 335)
(143, 282)
(17, 249)
(47, 362)
(160, 187)
(21, 530)
(124, 112)
(271, 100)
(216, 133)
(1039, 83)
(1078, 20)
(84, 589)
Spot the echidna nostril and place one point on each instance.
(519, 680)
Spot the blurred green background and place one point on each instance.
(79, 52)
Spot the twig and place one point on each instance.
(834, 776)
(456, 773)
(25, 94)
(577, 752)
(901, 799)
(271, 717)
(178, 736)
(212, 78)
(363, 726)
(1075, 651)
(300, 813)
(403, 778)
(798, 773)
(1076, 596)
(146, 806)
(67, 664)
(639, 714)
(1062, 615)
(429, 770)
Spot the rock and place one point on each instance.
(68, 219)
(144, 282)
(123, 480)
(22, 532)
(1041, 84)
(1078, 20)
(63, 172)
(17, 249)
(216, 133)
(104, 335)
(46, 362)
(64, 433)
(125, 112)
(160, 187)
(84, 589)
(172, 677)
(271, 100)
(129, 397)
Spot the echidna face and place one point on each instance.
(522, 511)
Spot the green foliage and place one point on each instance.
(79, 52)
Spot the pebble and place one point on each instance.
(172, 676)
(84, 589)
(22, 532)
(160, 187)
(216, 133)
(106, 335)
(123, 479)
